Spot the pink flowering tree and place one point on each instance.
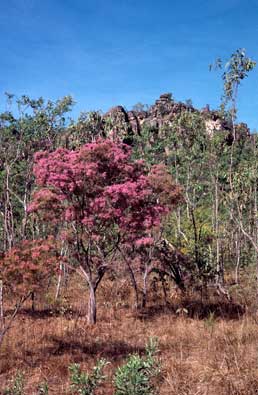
(26, 269)
(101, 201)
(143, 257)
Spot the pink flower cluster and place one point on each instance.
(100, 187)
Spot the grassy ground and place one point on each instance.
(209, 348)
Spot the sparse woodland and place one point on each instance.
(131, 238)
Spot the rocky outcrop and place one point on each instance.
(213, 126)
(162, 112)
(135, 121)
(125, 124)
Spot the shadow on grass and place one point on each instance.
(195, 309)
(115, 350)
(224, 310)
(192, 308)
(47, 313)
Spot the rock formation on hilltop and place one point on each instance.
(159, 114)
(126, 124)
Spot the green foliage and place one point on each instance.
(206, 226)
(27, 126)
(88, 127)
(235, 70)
(84, 383)
(17, 385)
(43, 388)
(136, 376)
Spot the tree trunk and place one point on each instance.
(196, 244)
(8, 215)
(58, 286)
(219, 273)
(237, 248)
(93, 284)
(1, 307)
(133, 279)
(7, 325)
(1, 337)
(255, 235)
(144, 291)
(92, 308)
(32, 296)
(62, 272)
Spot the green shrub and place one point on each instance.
(83, 383)
(43, 388)
(17, 385)
(136, 377)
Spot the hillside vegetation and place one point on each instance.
(120, 228)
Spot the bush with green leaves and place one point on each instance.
(43, 388)
(136, 376)
(17, 385)
(83, 383)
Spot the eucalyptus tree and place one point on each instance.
(183, 145)
(245, 198)
(88, 127)
(236, 69)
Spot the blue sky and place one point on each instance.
(106, 53)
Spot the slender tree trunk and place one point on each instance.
(133, 279)
(237, 248)
(187, 195)
(7, 325)
(59, 280)
(255, 234)
(219, 269)
(163, 283)
(1, 306)
(1, 337)
(93, 285)
(25, 213)
(32, 296)
(62, 273)
(8, 214)
(196, 246)
(135, 286)
(92, 307)
(144, 292)
(178, 210)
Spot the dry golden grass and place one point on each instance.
(212, 350)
